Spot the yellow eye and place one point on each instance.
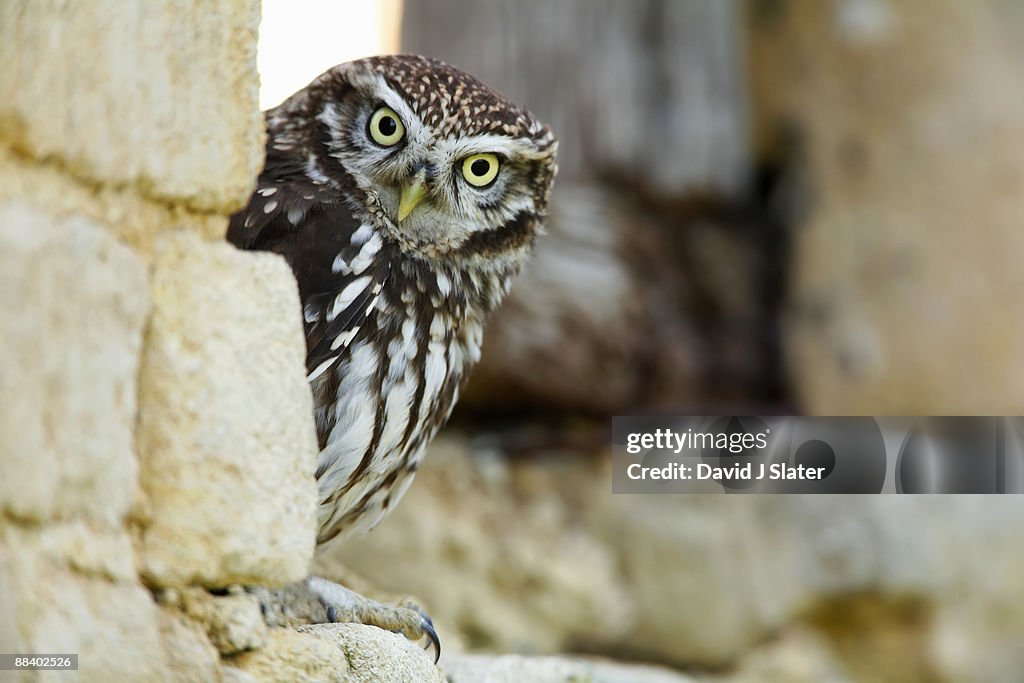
(386, 128)
(480, 170)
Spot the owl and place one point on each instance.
(405, 195)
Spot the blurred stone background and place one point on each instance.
(765, 205)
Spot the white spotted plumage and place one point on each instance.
(347, 296)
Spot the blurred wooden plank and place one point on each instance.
(652, 91)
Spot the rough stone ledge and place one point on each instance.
(342, 653)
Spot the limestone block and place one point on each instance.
(906, 282)
(89, 551)
(74, 303)
(226, 436)
(158, 94)
(111, 625)
(233, 622)
(378, 656)
(292, 656)
(190, 656)
(345, 653)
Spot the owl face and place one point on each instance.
(452, 167)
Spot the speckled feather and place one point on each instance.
(394, 313)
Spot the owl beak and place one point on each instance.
(413, 192)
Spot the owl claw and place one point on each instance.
(317, 600)
(427, 625)
(344, 605)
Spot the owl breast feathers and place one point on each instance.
(405, 195)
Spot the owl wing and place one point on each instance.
(336, 260)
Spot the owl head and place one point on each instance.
(449, 168)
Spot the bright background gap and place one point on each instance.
(300, 39)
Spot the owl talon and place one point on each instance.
(343, 605)
(428, 629)
(318, 601)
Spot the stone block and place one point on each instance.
(226, 434)
(112, 625)
(162, 95)
(74, 305)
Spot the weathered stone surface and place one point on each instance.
(111, 625)
(87, 550)
(226, 437)
(345, 653)
(292, 656)
(865, 573)
(233, 622)
(906, 282)
(157, 94)
(476, 668)
(74, 304)
(377, 656)
(232, 674)
(515, 668)
(494, 554)
(134, 220)
(604, 671)
(695, 599)
(190, 656)
(805, 657)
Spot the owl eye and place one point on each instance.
(480, 170)
(386, 128)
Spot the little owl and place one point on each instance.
(405, 195)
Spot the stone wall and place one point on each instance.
(156, 438)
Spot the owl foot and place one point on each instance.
(319, 601)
